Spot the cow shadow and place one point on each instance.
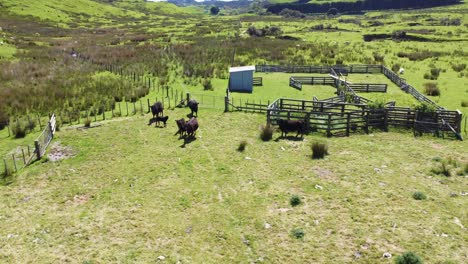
(187, 140)
(292, 138)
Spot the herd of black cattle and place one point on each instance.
(186, 128)
(189, 128)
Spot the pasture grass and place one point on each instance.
(134, 192)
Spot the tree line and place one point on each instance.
(358, 6)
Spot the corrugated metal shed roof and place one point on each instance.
(243, 68)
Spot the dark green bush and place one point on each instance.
(396, 67)
(425, 108)
(459, 67)
(464, 103)
(419, 196)
(431, 89)
(242, 146)
(297, 233)
(266, 133)
(19, 129)
(87, 122)
(319, 150)
(207, 86)
(295, 200)
(408, 258)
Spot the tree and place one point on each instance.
(214, 10)
(332, 11)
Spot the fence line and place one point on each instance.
(340, 119)
(23, 156)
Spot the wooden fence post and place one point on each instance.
(367, 122)
(24, 158)
(103, 113)
(120, 109)
(226, 106)
(329, 125)
(307, 122)
(348, 120)
(39, 121)
(9, 131)
(149, 107)
(6, 167)
(134, 108)
(14, 162)
(386, 120)
(126, 104)
(141, 107)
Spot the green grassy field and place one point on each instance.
(132, 193)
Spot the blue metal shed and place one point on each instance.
(241, 79)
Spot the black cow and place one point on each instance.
(157, 108)
(193, 105)
(158, 119)
(191, 127)
(181, 125)
(291, 125)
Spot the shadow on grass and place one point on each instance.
(292, 138)
(188, 140)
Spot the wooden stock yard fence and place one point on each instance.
(22, 156)
(346, 69)
(335, 118)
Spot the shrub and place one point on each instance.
(332, 12)
(431, 89)
(396, 67)
(297, 233)
(207, 86)
(435, 72)
(464, 103)
(419, 196)
(214, 10)
(242, 146)
(19, 129)
(378, 104)
(266, 133)
(459, 67)
(425, 108)
(408, 258)
(87, 122)
(295, 200)
(378, 57)
(319, 150)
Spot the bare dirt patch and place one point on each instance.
(324, 174)
(58, 152)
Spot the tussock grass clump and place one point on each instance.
(459, 67)
(396, 67)
(19, 129)
(419, 196)
(319, 150)
(408, 258)
(87, 122)
(464, 103)
(297, 233)
(295, 200)
(431, 89)
(266, 133)
(242, 146)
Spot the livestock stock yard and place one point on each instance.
(272, 131)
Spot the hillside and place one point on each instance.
(113, 189)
